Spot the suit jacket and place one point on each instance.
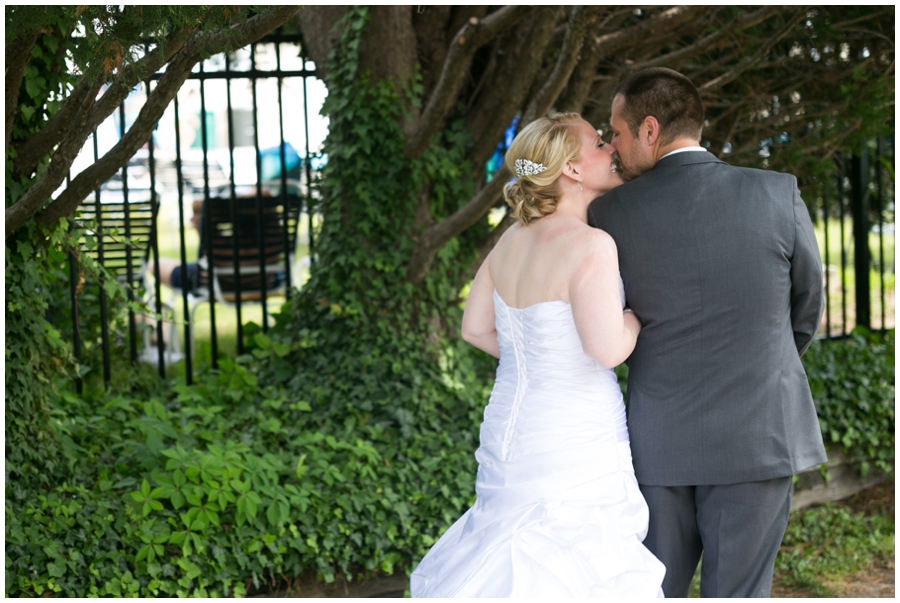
(721, 266)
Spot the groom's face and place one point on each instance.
(634, 158)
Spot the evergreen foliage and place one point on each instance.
(33, 353)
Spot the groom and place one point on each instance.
(721, 266)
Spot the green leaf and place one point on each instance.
(142, 553)
(301, 469)
(35, 86)
(273, 514)
(177, 499)
(57, 569)
(177, 538)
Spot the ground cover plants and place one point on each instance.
(222, 487)
(826, 543)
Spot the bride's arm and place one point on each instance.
(478, 327)
(608, 335)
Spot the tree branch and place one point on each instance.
(519, 55)
(436, 235)
(737, 24)
(178, 70)
(166, 90)
(468, 39)
(132, 75)
(733, 73)
(30, 152)
(430, 27)
(83, 118)
(713, 66)
(18, 52)
(868, 17)
(868, 32)
(630, 37)
(578, 88)
(565, 63)
(654, 26)
(34, 198)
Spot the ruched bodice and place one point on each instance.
(548, 392)
(558, 511)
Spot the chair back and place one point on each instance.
(127, 231)
(248, 243)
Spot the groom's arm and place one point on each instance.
(807, 298)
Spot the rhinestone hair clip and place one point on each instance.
(526, 167)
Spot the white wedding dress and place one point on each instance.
(558, 511)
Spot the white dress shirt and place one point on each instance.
(682, 150)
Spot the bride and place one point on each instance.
(558, 511)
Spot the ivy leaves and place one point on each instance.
(147, 498)
(852, 383)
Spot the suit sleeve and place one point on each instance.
(807, 297)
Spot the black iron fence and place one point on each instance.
(855, 230)
(239, 147)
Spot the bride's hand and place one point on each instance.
(632, 322)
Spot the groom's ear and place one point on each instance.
(649, 132)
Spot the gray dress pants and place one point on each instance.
(737, 527)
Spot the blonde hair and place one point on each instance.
(551, 141)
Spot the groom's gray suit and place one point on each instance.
(721, 266)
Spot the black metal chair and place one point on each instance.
(246, 248)
(124, 249)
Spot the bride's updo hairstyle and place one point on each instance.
(551, 142)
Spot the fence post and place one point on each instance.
(859, 202)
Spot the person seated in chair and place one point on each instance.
(170, 269)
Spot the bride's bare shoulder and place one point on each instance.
(593, 240)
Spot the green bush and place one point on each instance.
(220, 488)
(852, 383)
(232, 483)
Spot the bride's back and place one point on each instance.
(534, 263)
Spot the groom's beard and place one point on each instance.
(635, 165)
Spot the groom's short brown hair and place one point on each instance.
(668, 96)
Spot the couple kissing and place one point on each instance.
(706, 280)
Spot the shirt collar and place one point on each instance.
(682, 150)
